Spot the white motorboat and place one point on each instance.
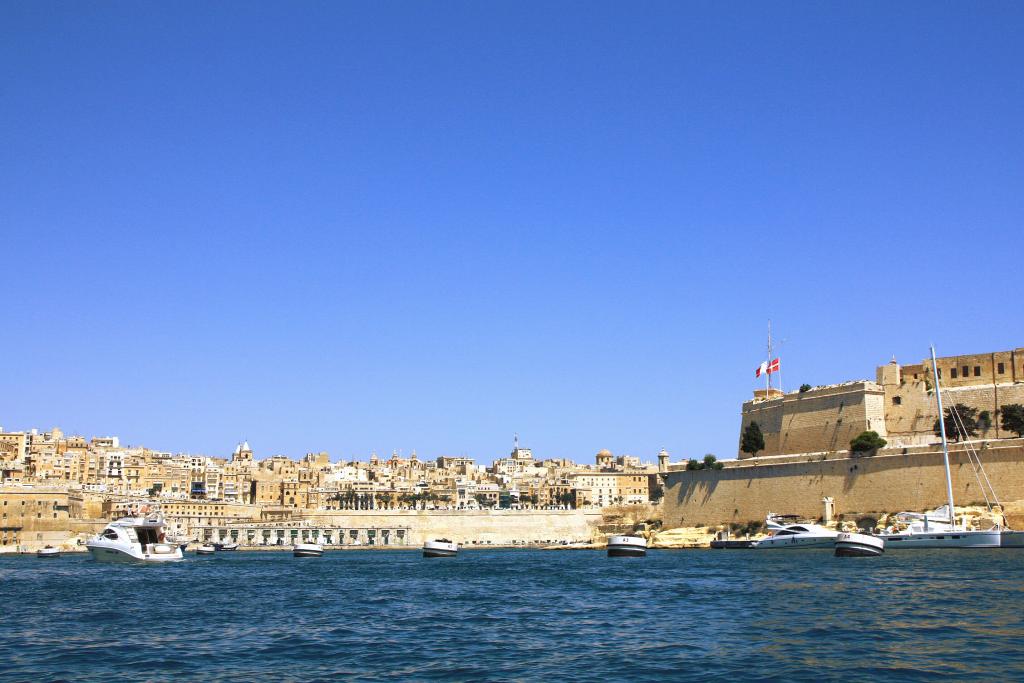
(858, 545)
(627, 546)
(134, 539)
(440, 547)
(307, 550)
(206, 549)
(225, 546)
(939, 529)
(48, 551)
(795, 536)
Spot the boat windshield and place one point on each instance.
(147, 534)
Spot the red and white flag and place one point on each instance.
(767, 367)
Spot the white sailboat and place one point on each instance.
(939, 529)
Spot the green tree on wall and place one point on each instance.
(753, 439)
(956, 429)
(866, 441)
(1012, 416)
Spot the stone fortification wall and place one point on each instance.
(891, 481)
(499, 527)
(822, 419)
(911, 411)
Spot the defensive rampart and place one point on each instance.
(893, 480)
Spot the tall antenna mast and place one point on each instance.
(768, 375)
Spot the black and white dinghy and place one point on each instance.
(627, 546)
(308, 550)
(859, 545)
(440, 547)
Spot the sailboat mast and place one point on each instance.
(945, 445)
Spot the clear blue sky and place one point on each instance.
(354, 227)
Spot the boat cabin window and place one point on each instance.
(798, 528)
(784, 532)
(110, 533)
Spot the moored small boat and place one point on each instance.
(859, 545)
(440, 547)
(206, 549)
(225, 546)
(48, 551)
(307, 550)
(627, 546)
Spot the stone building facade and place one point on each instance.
(899, 404)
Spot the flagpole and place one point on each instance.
(768, 374)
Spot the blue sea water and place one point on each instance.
(491, 615)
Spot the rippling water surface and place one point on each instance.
(517, 615)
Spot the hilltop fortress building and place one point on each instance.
(899, 404)
(808, 469)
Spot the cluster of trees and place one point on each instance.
(963, 422)
(566, 498)
(748, 529)
(353, 500)
(710, 462)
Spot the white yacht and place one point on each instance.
(794, 536)
(627, 546)
(134, 539)
(206, 549)
(307, 550)
(858, 545)
(939, 529)
(440, 547)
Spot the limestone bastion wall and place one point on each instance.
(500, 527)
(891, 481)
(825, 418)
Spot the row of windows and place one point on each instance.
(38, 502)
(39, 515)
(965, 371)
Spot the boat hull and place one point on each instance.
(440, 548)
(307, 550)
(626, 546)
(859, 545)
(1011, 539)
(113, 555)
(47, 553)
(943, 539)
(795, 543)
